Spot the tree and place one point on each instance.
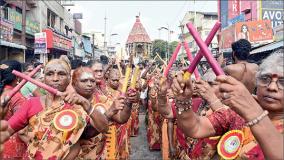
(173, 46)
(159, 47)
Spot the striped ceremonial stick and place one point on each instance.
(39, 84)
(21, 84)
(204, 48)
(126, 79)
(172, 60)
(190, 58)
(199, 55)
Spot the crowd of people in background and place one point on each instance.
(234, 116)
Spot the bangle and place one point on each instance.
(257, 119)
(92, 110)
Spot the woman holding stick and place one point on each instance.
(53, 125)
(263, 129)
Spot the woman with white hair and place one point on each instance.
(261, 120)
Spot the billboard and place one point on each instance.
(254, 31)
(272, 10)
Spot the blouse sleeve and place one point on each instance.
(28, 109)
(224, 120)
(20, 118)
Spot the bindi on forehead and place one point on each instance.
(55, 67)
(86, 75)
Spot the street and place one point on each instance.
(139, 145)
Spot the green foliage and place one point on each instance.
(160, 47)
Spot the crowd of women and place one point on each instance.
(95, 110)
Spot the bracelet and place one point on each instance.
(181, 110)
(92, 110)
(185, 102)
(183, 106)
(257, 119)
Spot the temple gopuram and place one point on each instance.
(138, 42)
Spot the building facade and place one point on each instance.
(32, 17)
(204, 22)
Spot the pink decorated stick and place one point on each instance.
(22, 83)
(199, 55)
(203, 47)
(172, 60)
(39, 84)
(190, 58)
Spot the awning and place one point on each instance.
(13, 45)
(268, 47)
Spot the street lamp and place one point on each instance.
(168, 46)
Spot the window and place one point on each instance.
(51, 18)
(19, 10)
(4, 13)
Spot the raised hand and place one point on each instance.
(117, 105)
(132, 95)
(237, 97)
(74, 98)
(204, 90)
(181, 88)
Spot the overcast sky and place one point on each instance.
(121, 16)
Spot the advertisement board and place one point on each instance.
(272, 10)
(40, 43)
(6, 29)
(16, 17)
(254, 31)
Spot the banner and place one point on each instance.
(254, 31)
(40, 43)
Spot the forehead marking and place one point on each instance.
(87, 75)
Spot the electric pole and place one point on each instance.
(105, 43)
(23, 35)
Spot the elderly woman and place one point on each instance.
(47, 117)
(117, 108)
(254, 113)
(186, 147)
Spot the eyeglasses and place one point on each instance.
(265, 80)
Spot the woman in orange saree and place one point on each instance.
(54, 122)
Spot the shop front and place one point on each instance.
(9, 49)
(57, 44)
